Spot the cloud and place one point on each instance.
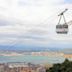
(32, 21)
(38, 2)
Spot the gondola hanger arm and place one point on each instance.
(62, 12)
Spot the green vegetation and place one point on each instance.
(66, 66)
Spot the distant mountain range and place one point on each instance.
(35, 49)
(24, 48)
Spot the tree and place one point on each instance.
(66, 66)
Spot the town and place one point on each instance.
(21, 67)
(40, 53)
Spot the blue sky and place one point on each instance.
(32, 23)
(68, 1)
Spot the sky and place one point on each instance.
(32, 23)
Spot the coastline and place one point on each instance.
(49, 54)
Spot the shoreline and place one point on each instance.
(46, 54)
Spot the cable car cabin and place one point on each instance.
(62, 29)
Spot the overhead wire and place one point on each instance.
(55, 15)
(48, 19)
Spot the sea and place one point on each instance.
(32, 59)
